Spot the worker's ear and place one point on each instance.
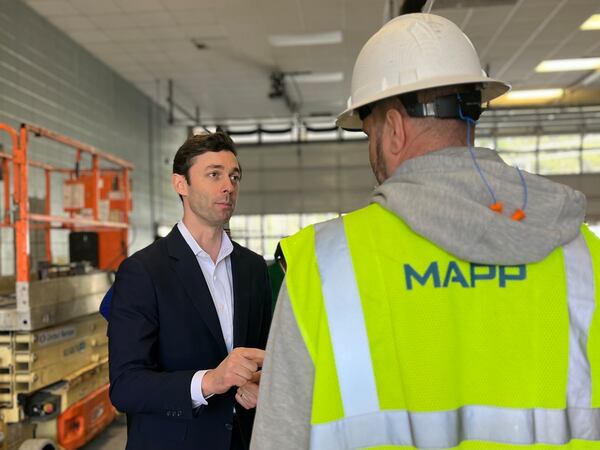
(179, 184)
(395, 128)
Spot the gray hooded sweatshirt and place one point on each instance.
(442, 197)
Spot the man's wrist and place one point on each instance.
(206, 385)
(198, 399)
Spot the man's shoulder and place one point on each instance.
(157, 247)
(152, 255)
(245, 255)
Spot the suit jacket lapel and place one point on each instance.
(241, 302)
(185, 265)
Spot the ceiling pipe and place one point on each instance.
(173, 105)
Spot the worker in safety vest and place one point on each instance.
(458, 309)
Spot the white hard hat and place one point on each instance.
(410, 53)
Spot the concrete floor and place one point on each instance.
(112, 438)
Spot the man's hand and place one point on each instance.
(247, 396)
(236, 370)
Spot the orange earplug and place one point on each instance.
(518, 215)
(496, 207)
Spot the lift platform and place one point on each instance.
(53, 344)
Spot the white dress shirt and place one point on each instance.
(219, 279)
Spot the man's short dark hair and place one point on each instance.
(198, 145)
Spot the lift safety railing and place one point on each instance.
(17, 214)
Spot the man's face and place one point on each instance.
(373, 130)
(211, 194)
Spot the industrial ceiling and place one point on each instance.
(225, 57)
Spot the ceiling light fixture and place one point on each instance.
(322, 77)
(532, 94)
(535, 94)
(593, 23)
(564, 65)
(293, 40)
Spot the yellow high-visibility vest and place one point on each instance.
(414, 348)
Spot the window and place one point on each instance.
(548, 141)
(591, 153)
(549, 154)
(486, 142)
(595, 228)
(516, 143)
(262, 233)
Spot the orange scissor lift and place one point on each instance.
(53, 345)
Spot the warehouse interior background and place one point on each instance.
(135, 77)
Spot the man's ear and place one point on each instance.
(179, 184)
(395, 126)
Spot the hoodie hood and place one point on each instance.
(442, 197)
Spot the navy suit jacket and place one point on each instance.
(163, 328)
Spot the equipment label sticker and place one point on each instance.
(53, 336)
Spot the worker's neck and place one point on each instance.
(208, 236)
(423, 143)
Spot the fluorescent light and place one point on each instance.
(292, 40)
(526, 97)
(593, 23)
(534, 94)
(562, 65)
(322, 77)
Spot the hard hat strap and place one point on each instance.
(453, 106)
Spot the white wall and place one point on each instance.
(309, 177)
(589, 184)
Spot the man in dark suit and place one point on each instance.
(189, 317)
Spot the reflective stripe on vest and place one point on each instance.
(580, 294)
(365, 425)
(345, 317)
(447, 429)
